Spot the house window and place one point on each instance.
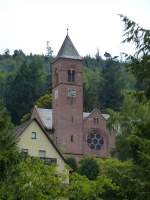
(49, 161)
(71, 75)
(71, 138)
(25, 151)
(33, 135)
(52, 161)
(42, 153)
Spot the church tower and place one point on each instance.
(68, 99)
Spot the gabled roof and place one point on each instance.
(20, 129)
(105, 116)
(68, 50)
(45, 116)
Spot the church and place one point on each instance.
(74, 132)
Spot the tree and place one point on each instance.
(92, 78)
(112, 85)
(134, 119)
(9, 155)
(45, 101)
(132, 126)
(24, 89)
(25, 118)
(32, 179)
(139, 63)
(49, 50)
(89, 168)
(72, 163)
(7, 53)
(107, 55)
(124, 176)
(81, 188)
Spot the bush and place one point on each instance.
(72, 163)
(89, 167)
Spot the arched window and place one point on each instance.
(71, 75)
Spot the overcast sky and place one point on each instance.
(93, 24)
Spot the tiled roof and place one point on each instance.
(19, 129)
(68, 50)
(46, 117)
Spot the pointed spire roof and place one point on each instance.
(68, 50)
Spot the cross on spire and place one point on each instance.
(67, 29)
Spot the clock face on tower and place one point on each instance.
(71, 92)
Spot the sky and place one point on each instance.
(93, 24)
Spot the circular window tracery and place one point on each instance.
(95, 140)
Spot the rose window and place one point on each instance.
(95, 141)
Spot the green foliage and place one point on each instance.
(2, 85)
(91, 78)
(122, 174)
(72, 163)
(138, 35)
(35, 80)
(112, 85)
(89, 168)
(104, 83)
(8, 150)
(25, 117)
(35, 180)
(93, 62)
(133, 115)
(81, 188)
(132, 124)
(24, 89)
(139, 63)
(45, 101)
(24, 79)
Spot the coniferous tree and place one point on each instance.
(24, 89)
(112, 86)
(8, 151)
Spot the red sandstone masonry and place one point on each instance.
(68, 114)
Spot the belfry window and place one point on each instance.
(71, 75)
(71, 138)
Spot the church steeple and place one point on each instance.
(68, 50)
(68, 99)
